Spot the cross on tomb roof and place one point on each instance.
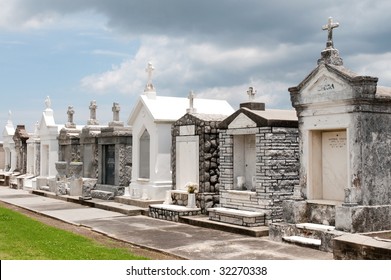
(329, 27)
(149, 70)
(251, 93)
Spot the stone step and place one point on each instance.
(237, 217)
(104, 195)
(171, 212)
(315, 227)
(303, 241)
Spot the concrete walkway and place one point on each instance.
(185, 241)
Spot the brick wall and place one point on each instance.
(277, 171)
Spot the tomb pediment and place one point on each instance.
(325, 85)
(242, 121)
(330, 83)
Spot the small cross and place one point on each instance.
(149, 70)
(191, 99)
(329, 27)
(116, 108)
(70, 113)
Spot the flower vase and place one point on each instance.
(191, 201)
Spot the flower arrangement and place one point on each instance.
(192, 187)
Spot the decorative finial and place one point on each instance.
(93, 107)
(329, 27)
(116, 108)
(48, 103)
(70, 113)
(251, 93)
(149, 70)
(116, 122)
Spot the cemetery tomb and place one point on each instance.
(151, 120)
(195, 158)
(344, 152)
(114, 158)
(258, 164)
(20, 137)
(9, 145)
(89, 144)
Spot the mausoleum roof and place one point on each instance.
(267, 117)
(170, 109)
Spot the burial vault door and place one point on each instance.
(109, 168)
(334, 165)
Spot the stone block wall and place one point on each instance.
(277, 171)
(207, 131)
(203, 200)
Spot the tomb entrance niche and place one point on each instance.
(145, 145)
(244, 162)
(109, 165)
(187, 165)
(329, 165)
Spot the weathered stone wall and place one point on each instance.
(203, 200)
(89, 151)
(208, 151)
(125, 164)
(360, 247)
(277, 171)
(371, 166)
(121, 138)
(69, 146)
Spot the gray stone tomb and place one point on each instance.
(345, 156)
(258, 164)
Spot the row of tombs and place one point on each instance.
(317, 171)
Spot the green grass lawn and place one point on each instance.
(22, 238)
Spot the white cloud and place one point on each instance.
(377, 65)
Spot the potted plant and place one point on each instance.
(192, 189)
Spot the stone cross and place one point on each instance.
(93, 108)
(191, 103)
(251, 93)
(149, 70)
(191, 99)
(329, 27)
(48, 103)
(116, 108)
(70, 113)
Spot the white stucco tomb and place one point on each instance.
(151, 120)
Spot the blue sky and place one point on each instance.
(77, 51)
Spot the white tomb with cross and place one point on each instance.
(48, 133)
(151, 120)
(9, 145)
(345, 156)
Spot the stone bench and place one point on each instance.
(237, 217)
(171, 212)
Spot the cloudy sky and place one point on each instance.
(77, 51)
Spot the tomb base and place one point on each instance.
(312, 211)
(305, 234)
(237, 217)
(146, 190)
(76, 187)
(171, 212)
(203, 200)
(363, 218)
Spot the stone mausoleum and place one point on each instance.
(195, 157)
(345, 155)
(258, 164)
